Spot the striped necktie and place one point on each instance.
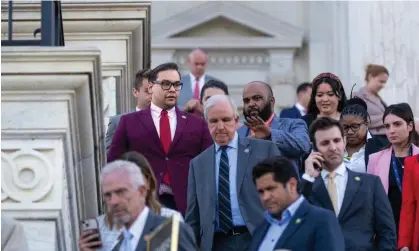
(224, 208)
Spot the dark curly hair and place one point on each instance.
(337, 88)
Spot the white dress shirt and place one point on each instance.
(341, 180)
(301, 108)
(357, 161)
(137, 228)
(193, 82)
(156, 113)
(137, 109)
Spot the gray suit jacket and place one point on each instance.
(12, 235)
(186, 238)
(201, 209)
(186, 91)
(112, 125)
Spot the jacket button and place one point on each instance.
(167, 158)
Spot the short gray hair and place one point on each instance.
(218, 99)
(133, 171)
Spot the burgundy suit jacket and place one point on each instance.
(137, 132)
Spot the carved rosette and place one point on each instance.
(26, 176)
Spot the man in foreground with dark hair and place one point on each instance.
(167, 137)
(358, 199)
(290, 221)
(140, 92)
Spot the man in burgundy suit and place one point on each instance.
(167, 137)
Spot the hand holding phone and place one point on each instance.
(313, 164)
(90, 235)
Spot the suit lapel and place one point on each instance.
(321, 194)
(276, 122)
(147, 120)
(296, 221)
(354, 182)
(243, 153)
(210, 172)
(181, 121)
(149, 226)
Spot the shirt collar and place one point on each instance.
(341, 170)
(137, 109)
(233, 143)
(157, 111)
(300, 107)
(137, 226)
(287, 214)
(194, 78)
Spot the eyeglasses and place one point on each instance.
(354, 127)
(166, 85)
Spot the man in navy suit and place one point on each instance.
(300, 108)
(358, 199)
(291, 222)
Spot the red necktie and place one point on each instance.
(196, 91)
(165, 138)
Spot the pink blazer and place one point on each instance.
(379, 164)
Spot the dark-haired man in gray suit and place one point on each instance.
(143, 97)
(223, 206)
(194, 80)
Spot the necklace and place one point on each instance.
(402, 164)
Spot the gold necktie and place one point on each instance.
(332, 190)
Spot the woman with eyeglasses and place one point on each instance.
(359, 142)
(389, 163)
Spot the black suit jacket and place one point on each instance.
(365, 217)
(187, 240)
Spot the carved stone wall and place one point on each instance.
(121, 30)
(52, 144)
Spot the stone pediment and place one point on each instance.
(224, 24)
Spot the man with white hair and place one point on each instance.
(124, 193)
(189, 97)
(223, 204)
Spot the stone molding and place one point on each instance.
(279, 34)
(52, 141)
(90, 22)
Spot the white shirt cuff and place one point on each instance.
(308, 178)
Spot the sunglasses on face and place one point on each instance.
(166, 84)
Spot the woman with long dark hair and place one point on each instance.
(327, 98)
(389, 163)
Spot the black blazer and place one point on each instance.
(365, 217)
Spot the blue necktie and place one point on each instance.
(126, 243)
(224, 209)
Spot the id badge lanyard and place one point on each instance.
(395, 169)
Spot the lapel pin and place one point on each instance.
(246, 150)
(183, 117)
(298, 221)
(357, 178)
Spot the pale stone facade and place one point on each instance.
(55, 105)
(286, 43)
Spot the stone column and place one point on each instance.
(281, 76)
(52, 144)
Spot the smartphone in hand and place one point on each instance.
(315, 165)
(92, 226)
